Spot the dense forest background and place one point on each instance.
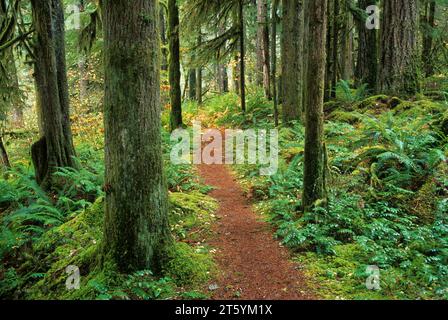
(90, 91)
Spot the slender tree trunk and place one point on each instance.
(55, 148)
(192, 84)
(314, 168)
(367, 65)
(136, 223)
(174, 65)
(427, 57)
(242, 56)
(263, 60)
(82, 65)
(274, 60)
(4, 155)
(335, 51)
(199, 76)
(292, 56)
(329, 64)
(163, 40)
(399, 48)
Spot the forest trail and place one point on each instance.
(253, 266)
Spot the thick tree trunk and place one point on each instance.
(274, 59)
(263, 69)
(292, 59)
(399, 48)
(242, 56)
(59, 38)
(347, 45)
(427, 56)
(314, 168)
(136, 223)
(55, 148)
(367, 64)
(174, 65)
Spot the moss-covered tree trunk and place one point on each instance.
(429, 25)
(292, 60)
(136, 222)
(314, 168)
(55, 148)
(367, 62)
(174, 65)
(263, 69)
(399, 59)
(329, 43)
(335, 47)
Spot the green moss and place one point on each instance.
(339, 277)
(187, 266)
(344, 116)
(73, 243)
(191, 212)
(373, 102)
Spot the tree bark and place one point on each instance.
(274, 60)
(292, 57)
(263, 69)
(163, 40)
(314, 168)
(192, 84)
(242, 55)
(4, 155)
(427, 56)
(174, 65)
(367, 61)
(136, 223)
(399, 48)
(55, 147)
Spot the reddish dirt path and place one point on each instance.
(254, 266)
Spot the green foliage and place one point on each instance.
(347, 95)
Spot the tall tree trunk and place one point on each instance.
(399, 59)
(314, 167)
(163, 40)
(427, 56)
(242, 56)
(59, 38)
(263, 60)
(199, 75)
(367, 61)
(136, 223)
(174, 65)
(335, 51)
(192, 84)
(82, 65)
(329, 48)
(292, 57)
(347, 44)
(274, 59)
(55, 148)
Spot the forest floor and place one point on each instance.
(252, 264)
